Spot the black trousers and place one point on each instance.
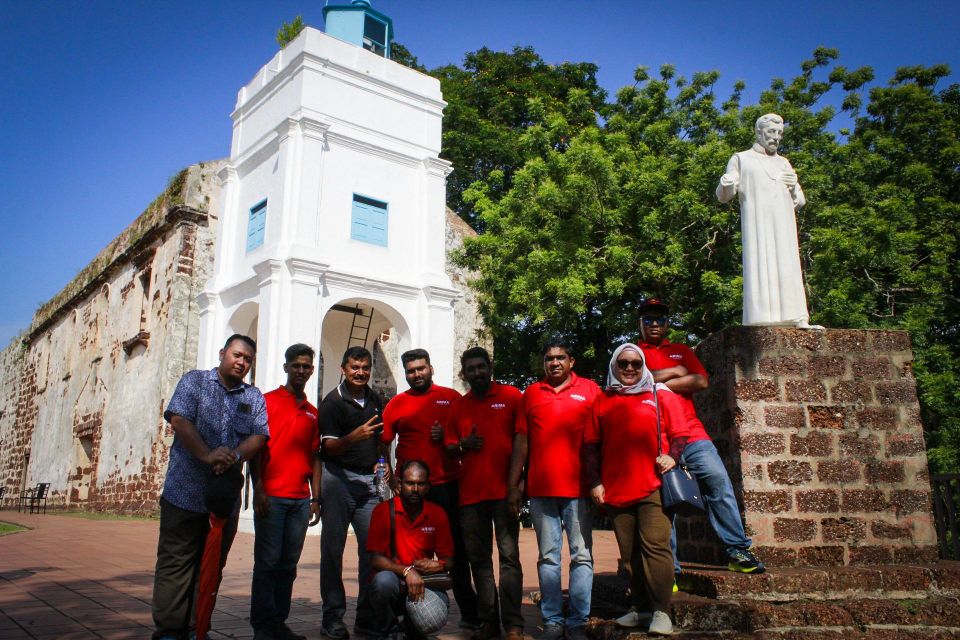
(179, 550)
(447, 496)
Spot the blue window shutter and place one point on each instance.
(256, 225)
(368, 222)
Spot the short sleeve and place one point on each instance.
(185, 398)
(672, 413)
(378, 536)
(451, 431)
(592, 432)
(329, 423)
(389, 417)
(260, 426)
(692, 362)
(522, 414)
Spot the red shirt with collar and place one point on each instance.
(669, 354)
(286, 460)
(626, 428)
(495, 416)
(409, 416)
(426, 536)
(554, 425)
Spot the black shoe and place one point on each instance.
(361, 629)
(336, 630)
(745, 562)
(264, 634)
(283, 632)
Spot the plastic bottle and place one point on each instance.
(380, 480)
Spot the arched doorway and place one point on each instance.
(246, 321)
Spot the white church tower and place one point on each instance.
(333, 218)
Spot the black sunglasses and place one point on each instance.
(626, 364)
(649, 320)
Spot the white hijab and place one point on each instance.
(644, 385)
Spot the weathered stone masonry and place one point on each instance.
(824, 429)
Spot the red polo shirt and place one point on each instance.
(668, 354)
(409, 416)
(554, 425)
(423, 537)
(626, 427)
(495, 416)
(286, 460)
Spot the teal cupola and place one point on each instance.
(360, 24)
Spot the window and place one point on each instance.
(369, 221)
(374, 35)
(256, 225)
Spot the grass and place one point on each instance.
(97, 515)
(9, 527)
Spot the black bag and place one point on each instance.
(679, 491)
(437, 581)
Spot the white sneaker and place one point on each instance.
(633, 618)
(660, 624)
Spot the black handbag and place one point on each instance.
(441, 581)
(679, 491)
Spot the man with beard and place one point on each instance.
(218, 421)
(557, 410)
(286, 472)
(481, 430)
(350, 430)
(423, 546)
(416, 417)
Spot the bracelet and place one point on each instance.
(407, 570)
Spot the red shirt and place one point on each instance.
(425, 536)
(286, 460)
(495, 416)
(409, 416)
(554, 426)
(668, 354)
(626, 427)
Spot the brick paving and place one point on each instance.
(70, 578)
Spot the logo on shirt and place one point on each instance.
(676, 356)
(498, 405)
(311, 415)
(651, 403)
(577, 396)
(443, 402)
(428, 529)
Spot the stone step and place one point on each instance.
(699, 617)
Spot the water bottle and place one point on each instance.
(380, 479)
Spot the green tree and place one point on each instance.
(288, 31)
(583, 216)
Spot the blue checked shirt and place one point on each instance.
(223, 418)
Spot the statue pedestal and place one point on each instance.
(820, 432)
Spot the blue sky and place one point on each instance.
(103, 101)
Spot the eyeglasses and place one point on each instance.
(658, 320)
(637, 365)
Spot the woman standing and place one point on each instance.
(624, 462)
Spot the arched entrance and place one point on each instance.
(246, 321)
(366, 323)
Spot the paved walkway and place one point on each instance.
(71, 578)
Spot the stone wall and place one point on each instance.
(821, 433)
(102, 357)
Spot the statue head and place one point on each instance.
(769, 132)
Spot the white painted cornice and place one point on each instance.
(441, 297)
(437, 167)
(207, 300)
(364, 286)
(307, 272)
(227, 174)
(268, 271)
(348, 142)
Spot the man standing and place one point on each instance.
(557, 409)
(350, 430)
(218, 421)
(416, 417)
(481, 430)
(769, 194)
(421, 546)
(286, 473)
(679, 368)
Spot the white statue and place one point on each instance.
(769, 193)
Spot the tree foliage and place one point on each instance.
(586, 206)
(289, 31)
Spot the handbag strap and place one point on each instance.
(393, 530)
(656, 406)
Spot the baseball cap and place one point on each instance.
(428, 615)
(653, 305)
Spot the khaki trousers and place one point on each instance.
(643, 535)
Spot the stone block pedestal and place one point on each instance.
(821, 434)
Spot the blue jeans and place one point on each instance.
(276, 552)
(348, 499)
(704, 463)
(551, 517)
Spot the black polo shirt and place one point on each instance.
(339, 415)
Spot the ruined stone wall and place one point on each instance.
(821, 433)
(467, 322)
(103, 356)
